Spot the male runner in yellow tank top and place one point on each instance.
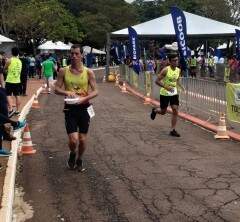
(13, 81)
(168, 80)
(76, 81)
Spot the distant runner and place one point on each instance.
(48, 69)
(13, 80)
(168, 80)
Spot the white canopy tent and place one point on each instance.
(87, 49)
(4, 39)
(224, 45)
(49, 45)
(197, 26)
(6, 44)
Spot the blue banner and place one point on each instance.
(237, 43)
(180, 27)
(133, 44)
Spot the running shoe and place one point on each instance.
(174, 133)
(11, 113)
(79, 165)
(20, 124)
(4, 152)
(71, 160)
(9, 137)
(17, 113)
(153, 114)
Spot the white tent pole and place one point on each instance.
(108, 54)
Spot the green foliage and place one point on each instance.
(95, 27)
(38, 20)
(97, 17)
(218, 10)
(149, 10)
(89, 21)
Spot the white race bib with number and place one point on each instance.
(173, 92)
(90, 111)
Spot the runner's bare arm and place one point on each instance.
(6, 65)
(93, 85)
(2, 83)
(59, 85)
(159, 79)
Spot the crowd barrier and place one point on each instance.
(202, 98)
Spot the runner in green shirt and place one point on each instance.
(48, 68)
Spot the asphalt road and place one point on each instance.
(135, 170)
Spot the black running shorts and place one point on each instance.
(166, 100)
(13, 89)
(76, 118)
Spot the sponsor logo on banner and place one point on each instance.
(180, 27)
(233, 102)
(133, 40)
(237, 43)
(181, 36)
(237, 96)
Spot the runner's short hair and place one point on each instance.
(172, 56)
(77, 46)
(15, 51)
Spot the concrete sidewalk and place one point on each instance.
(32, 87)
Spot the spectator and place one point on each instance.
(32, 67)
(24, 74)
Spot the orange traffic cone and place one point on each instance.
(124, 89)
(35, 104)
(27, 146)
(222, 129)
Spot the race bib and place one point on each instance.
(90, 111)
(173, 92)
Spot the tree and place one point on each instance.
(234, 6)
(149, 10)
(191, 6)
(95, 27)
(218, 10)
(97, 17)
(5, 6)
(34, 21)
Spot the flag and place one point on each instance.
(238, 43)
(233, 102)
(133, 44)
(180, 27)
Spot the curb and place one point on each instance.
(185, 116)
(9, 181)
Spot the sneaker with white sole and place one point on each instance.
(79, 165)
(20, 124)
(11, 113)
(174, 133)
(5, 153)
(71, 160)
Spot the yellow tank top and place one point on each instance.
(76, 83)
(14, 70)
(170, 80)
